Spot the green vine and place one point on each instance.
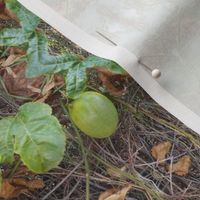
(40, 61)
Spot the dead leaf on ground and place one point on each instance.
(160, 150)
(11, 188)
(14, 55)
(115, 173)
(181, 168)
(29, 184)
(17, 83)
(114, 83)
(6, 14)
(17, 51)
(115, 194)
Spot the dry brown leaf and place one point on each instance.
(115, 173)
(109, 79)
(115, 194)
(49, 85)
(160, 150)
(43, 98)
(14, 78)
(2, 60)
(29, 184)
(181, 168)
(8, 191)
(107, 194)
(17, 51)
(6, 14)
(12, 58)
(17, 83)
(11, 188)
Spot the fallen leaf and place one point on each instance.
(17, 51)
(115, 194)
(17, 83)
(29, 184)
(11, 188)
(181, 168)
(115, 173)
(14, 55)
(8, 191)
(10, 60)
(43, 98)
(6, 14)
(160, 150)
(107, 194)
(2, 60)
(110, 79)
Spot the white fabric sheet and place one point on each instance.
(164, 34)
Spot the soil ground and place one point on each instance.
(143, 123)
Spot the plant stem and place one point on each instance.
(80, 142)
(14, 169)
(86, 163)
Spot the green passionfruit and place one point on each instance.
(94, 114)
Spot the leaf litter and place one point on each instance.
(115, 194)
(18, 84)
(22, 182)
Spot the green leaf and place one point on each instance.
(6, 141)
(28, 20)
(39, 138)
(76, 81)
(13, 37)
(41, 62)
(76, 78)
(94, 61)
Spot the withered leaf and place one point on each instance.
(160, 150)
(7, 190)
(29, 184)
(10, 60)
(115, 194)
(181, 168)
(11, 188)
(109, 81)
(17, 83)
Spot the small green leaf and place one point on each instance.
(41, 62)
(28, 20)
(13, 37)
(39, 138)
(6, 141)
(76, 81)
(94, 61)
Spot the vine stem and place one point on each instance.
(86, 163)
(80, 141)
(14, 169)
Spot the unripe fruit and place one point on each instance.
(94, 114)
